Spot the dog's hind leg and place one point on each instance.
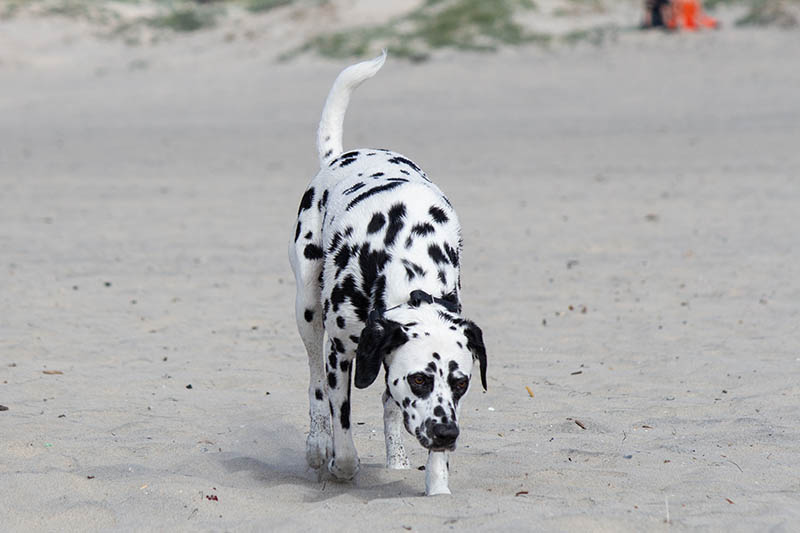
(396, 456)
(308, 313)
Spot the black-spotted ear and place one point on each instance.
(378, 338)
(475, 345)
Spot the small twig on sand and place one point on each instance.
(737, 466)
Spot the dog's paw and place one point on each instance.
(318, 449)
(439, 489)
(343, 469)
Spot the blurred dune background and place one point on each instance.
(629, 202)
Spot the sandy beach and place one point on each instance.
(632, 242)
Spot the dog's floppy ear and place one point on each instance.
(475, 344)
(378, 338)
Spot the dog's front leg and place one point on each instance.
(437, 471)
(344, 463)
(396, 457)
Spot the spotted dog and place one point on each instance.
(376, 253)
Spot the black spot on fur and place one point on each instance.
(409, 242)
(340, 322)
(323, 201)
(396, 215)
(318, 395)
(397, 160)
(344, 364)
(412, 269)
(431, 366)
(461, 346)
(355, 338)
(395, 382)
(339, 345)
(438, 214)
(297, 231)
(436, 356)
(375, 190)
(348, 231)
(422, 229)
(377, 175)
(308, 235)
(308, 315)
(406, 402)
(341, 259)
(333, 361)
(312, 252)
(453, 366)
(452, 254)
(354, 188)
(335, 242)
(347, 158)
(443, 277)
(339, 292)
(345, 415)
(436, 254)
(376, 223)
(306, 201)
(371, 263)
(439, 410)
(379, 293)
(347, 289)
(328, 154)
(331, 381)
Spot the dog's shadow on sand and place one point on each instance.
(284, 465)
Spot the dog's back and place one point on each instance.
(372, 215)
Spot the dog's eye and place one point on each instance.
(462, 384)
(421, 384)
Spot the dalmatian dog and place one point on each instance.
(376, 253)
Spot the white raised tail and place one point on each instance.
(329, 134)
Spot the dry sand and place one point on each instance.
(631, 218)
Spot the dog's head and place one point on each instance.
(428, 352)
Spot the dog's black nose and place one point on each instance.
(444, 435)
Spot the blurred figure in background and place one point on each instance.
(676, 15)
(656, 13)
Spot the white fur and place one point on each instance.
(329, 134)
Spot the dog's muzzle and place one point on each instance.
(444, 436)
